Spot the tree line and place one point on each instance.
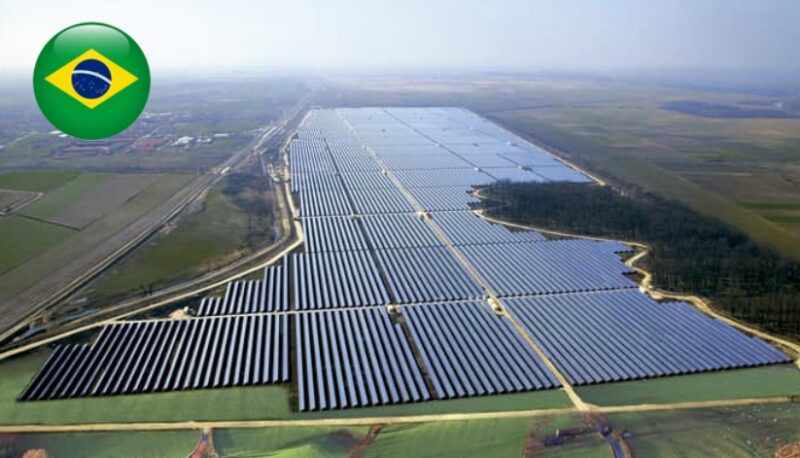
(691, 252)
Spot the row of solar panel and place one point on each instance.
(551, 267)
(356, 358)
(168, 355)
(254, 296)
(362, 357)
(406, 230)
(358, 278)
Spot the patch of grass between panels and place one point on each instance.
(220, 228)
(769, 381)
(238, 403)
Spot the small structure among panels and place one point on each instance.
(624, 335)
(354, 358)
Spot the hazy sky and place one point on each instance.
(500, 34)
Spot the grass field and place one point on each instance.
(289, 441)
(202, 240)
(140, 444)
(109, 194)
(783, 380)
(735, 432)
(738, 432)
(22, 239)
(482, 438)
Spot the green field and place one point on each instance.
(22, 239)
(474, 438)
(289, 441)
(140, 444)
(203, 240)
(736, 432)
(479, 438)
(783, 380)
(39, 181)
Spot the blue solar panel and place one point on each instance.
(354, 358)
(622, 335)
(469, 351)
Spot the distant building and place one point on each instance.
(183, 141)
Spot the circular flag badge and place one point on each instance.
(91, 80)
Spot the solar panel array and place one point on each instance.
(163, 355)
(624, 335)
(384, 197)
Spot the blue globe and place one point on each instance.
(91, 79)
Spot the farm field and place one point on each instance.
(62, 244)
(57, 199)
(782, 380)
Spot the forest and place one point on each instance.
(691, 253)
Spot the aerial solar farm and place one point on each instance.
(402, 293)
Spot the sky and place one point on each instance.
(523, 35)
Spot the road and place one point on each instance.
(369, 421)
(24, 309)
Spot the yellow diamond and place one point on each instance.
(62, 78)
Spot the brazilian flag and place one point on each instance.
(91, 80)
